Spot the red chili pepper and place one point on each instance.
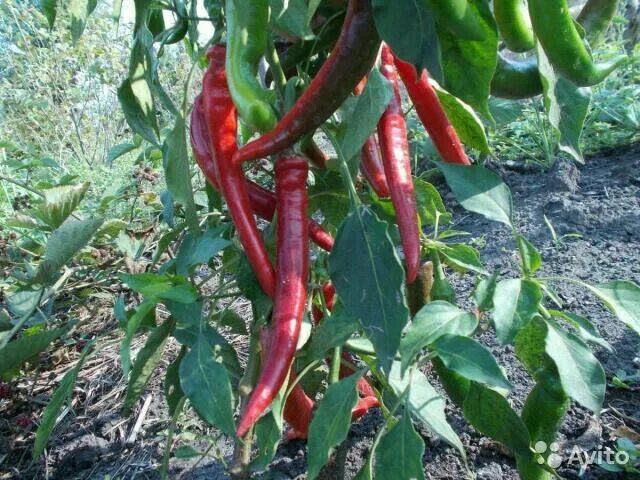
(221, 118)
(392, 133)
(292, 267)
(432, 116)
(263, 202)
(363, 406)
(316, 155)
(372, 168)
(351, 58)
(298, 410)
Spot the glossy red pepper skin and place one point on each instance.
(263, 201)
(292, 267)
(392, 134)
(298, 410)
(372, 168)
(431, 113)
(351, 58)
(363, 406)
(316, 155)
(222, 125)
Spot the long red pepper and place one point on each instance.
(351, 58)
(292, 267)
(431, 113)
(221, 118)
(372, 168)
(392, 133)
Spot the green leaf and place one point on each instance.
(581, 374)
(138, 109)
(430, 204)
(61, 395)
(416, 42)
(363, 120)
(470, 359)
(22, 221)
(145, 310)
(205, 382)
(229, 318)
(199, 250)
(110, 229)
(292, 17)
(515, 301)
(50, 10)
(479, 190)
(399, 453)
(471, 59)
(368, 277)
(331, 422)
(623, 299)
(432, 321)
(146, 362)
(172, 390)
(59, 203)
(566, 104)
(176, 167)
(80, 11)
(466, 123)
(267, 436)
(63, 244)
(426, 405)
(119, 150)
(484, 291)
(15, 353)
(531, 260)
(586, 330)
(328, 196)
(161, 286)
(463, 258)
(333, 331)
(490, 413)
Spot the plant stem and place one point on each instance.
(22, 185)
(336, 361)
(164, 468)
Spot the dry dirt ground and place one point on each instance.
(597, 206)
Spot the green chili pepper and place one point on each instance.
(595, 17)
(514, 24)
(246, 44)
(562, 43)
(458, 17)
(516, 79)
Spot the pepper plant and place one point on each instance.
(350, 281)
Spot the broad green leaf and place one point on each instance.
(430, 204)
(426, 405)
(15, 353)
(50, 10)
(399, 453)
(331, 422)
(368, 277)
(138, 109)
(623, 299)
(463, 258)
(229, 318)
(479, 190)
(417, 41)
(144, 310)
(470, 359)
(432, 321)
(63, 244)
(61, 396)
(370, 105)
(490, 413)
(566, 104)
(531, 260)
(205, 382)
(586, 330)
(119, 150)
(292, 17)
(146, 362)
(59, 203)
(471, 59)
(267, 435)
(581, 374)
(161, 286)
(466, 123)
(328, 196)
(110, 229)
(22, 221)
(199, 250)
(331, 332)
(80, 11)
(515, 301)
(172, 390)
(484, 291)
(176, 167)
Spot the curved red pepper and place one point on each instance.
(316, 155)
(372, 168)
(292, 267)
(351, 58)
(392, 133)
(222, 125)
(363, 406)
(432, 116)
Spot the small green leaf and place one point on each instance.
(17, 352)
(50, 10)
(144, 311)
(581, 374)
(331, 332)
(368, 277)
(331, 422)
(531, 260)
(172, 390)
(586, 330)
(463, 258)
(229, 318)
(515, 301)
(479, 190)
(292, 17)
(205, 382)
(176, 167)
(484, 291)
(199, 250)
(470, 359)
(161, 286)
(138, 109)
(80, 11)
(623, 299)
(432, 321)
(399, 453)
(59, 203)
(430, 204)
(267, 436)
(119, 150)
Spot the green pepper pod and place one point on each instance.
(514, 24)
(562, 43)
(595, 17)
(246, 44)
(516, 79)
(458, 17)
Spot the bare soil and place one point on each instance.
(595, 212)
